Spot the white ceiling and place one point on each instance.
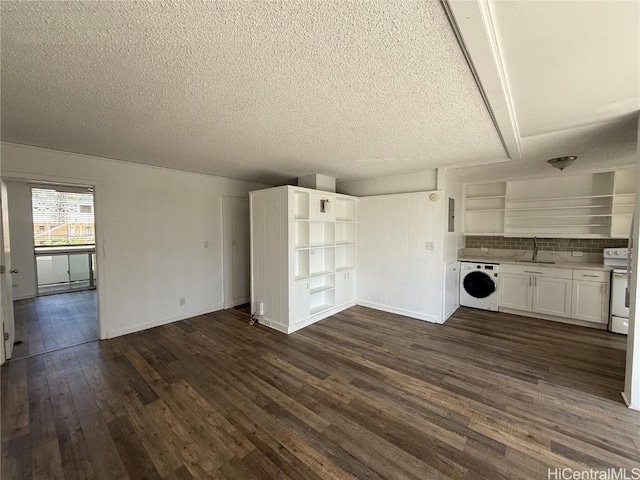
(266, 90)
(573, 77)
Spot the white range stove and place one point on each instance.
(616, 258)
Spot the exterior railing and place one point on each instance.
(65, 269)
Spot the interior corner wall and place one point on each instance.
(396, 273)
(405, 183)
(152, 224)
(453, 241)
(21, 231)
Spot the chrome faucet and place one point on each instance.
(534, 257)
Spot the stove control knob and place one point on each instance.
(609, 252)
(618, 252)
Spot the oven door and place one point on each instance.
(618, 289)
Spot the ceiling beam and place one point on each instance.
(473, 25)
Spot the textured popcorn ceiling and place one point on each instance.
(265, 90)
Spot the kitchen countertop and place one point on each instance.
(511, 261)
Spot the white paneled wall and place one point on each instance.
(396, 272)
(270, 264)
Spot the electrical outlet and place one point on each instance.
(206, 244)
(484, 249)
(183, 301)
(576, 254)
(429, 246)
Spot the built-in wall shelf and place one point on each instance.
(598, 205)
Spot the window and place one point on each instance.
(63, 216)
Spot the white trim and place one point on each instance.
(626, 401)
(399, 311)
(473, 24)
(97, 219)
(138, 327)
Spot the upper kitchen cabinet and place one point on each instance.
(598, 205)
(624, 197)
(484, 209)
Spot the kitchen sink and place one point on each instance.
(534, 261)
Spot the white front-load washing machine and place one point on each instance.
(479, 285)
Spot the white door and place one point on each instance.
(452, 289)
(515, 291)
(236, 251)
(590, 301)
(345, 287)
(8, 326)
(301, 301)
(552, 296)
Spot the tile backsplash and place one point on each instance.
(587, 245)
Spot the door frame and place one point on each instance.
(227, 252)
(100, 247)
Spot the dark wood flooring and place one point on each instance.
(50, 322)
(363, 394)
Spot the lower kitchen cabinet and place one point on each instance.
(552, 292)
(590, 301)
(515, 291)
(552, 296)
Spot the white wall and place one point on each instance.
(395, 271)
(21, 229)
(405, 183)
(151, 226)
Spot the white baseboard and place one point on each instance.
(138, 327)
(399, 311)
(316, 318)
(626, 401)
(24, 297)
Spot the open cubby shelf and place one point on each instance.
(595, 205)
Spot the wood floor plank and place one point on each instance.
(362, 394)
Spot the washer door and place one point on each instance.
(479, 285)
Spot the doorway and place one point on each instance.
(55, 300)
(236, 251)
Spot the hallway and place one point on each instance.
(50, 322)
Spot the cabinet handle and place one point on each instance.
(585, 275)
(535, 281)
(529, 271)
(530, 280)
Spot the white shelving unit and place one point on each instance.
(598, 205)
(484, 209)
(314, 233)
(624, 198)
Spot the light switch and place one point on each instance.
(206, 244)
(429, 246)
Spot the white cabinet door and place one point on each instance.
(452, 288)
(590, 301)
(345, 287)
(515, 291)
(552, 296)
(302, 308)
